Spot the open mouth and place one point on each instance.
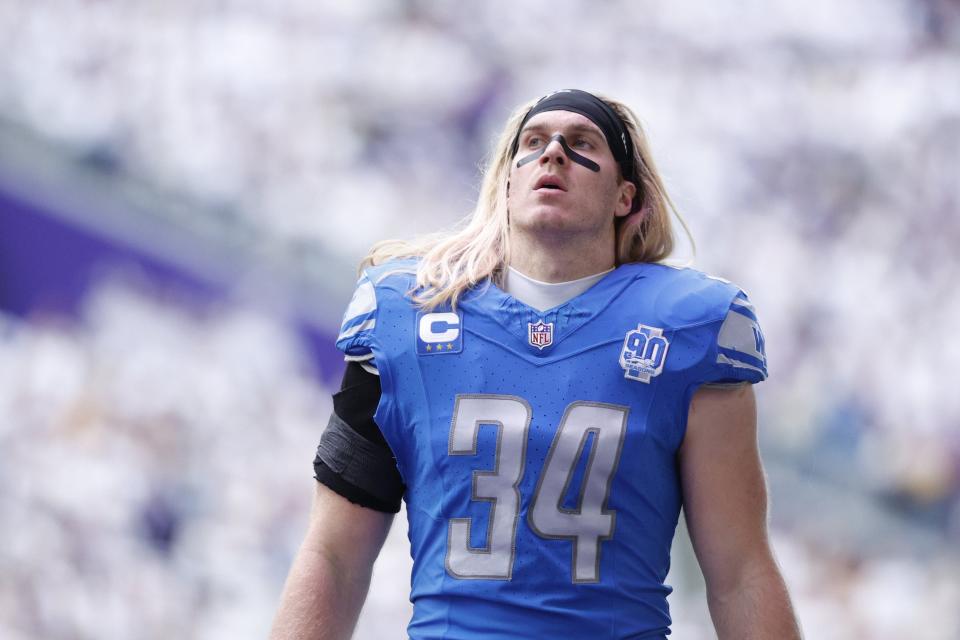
(549, 182)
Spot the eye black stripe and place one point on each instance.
(570, 153)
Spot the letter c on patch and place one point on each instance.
(439, 327)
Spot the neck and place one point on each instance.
(560, 259)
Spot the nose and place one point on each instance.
(553, 152)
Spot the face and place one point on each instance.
(556, 194)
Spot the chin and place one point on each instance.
(546, 214)
(540, 219)
(551, 223)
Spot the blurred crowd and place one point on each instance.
(156, 470)
(156, 457)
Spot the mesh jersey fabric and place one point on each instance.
(539, 448)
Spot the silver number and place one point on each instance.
(587, 525)
(590, 522)
(511, 416)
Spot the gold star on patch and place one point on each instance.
(449, 346)
(429, 348)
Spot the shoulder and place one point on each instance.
(391, 274)
(683, 297)
(714, 315)
(389, 283)
(380, 286)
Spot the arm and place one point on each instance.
(725, 501)
(330, 575)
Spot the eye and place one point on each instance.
(582, 143)
(533, 141)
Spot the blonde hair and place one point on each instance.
(452, 262)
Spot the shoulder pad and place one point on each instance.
(360, 319)
(403, 268)
(687, 297)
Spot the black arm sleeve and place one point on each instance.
(353, 458)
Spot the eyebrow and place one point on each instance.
(575, 128)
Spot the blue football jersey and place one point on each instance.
(539, 448)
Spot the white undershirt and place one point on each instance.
(546, 295)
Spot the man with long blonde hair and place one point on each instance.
(545, 394)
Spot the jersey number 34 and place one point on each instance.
(587, 525)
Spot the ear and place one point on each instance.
(625, 199)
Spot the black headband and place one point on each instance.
(598, 112)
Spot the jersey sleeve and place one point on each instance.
(353, 459)
(359, 321)
(740, 352)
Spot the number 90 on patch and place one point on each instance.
(644, 352)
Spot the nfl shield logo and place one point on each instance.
(540, 334)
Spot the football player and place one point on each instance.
(544, 395)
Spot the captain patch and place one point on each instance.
(439, 332)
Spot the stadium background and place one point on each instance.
(186, 188)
